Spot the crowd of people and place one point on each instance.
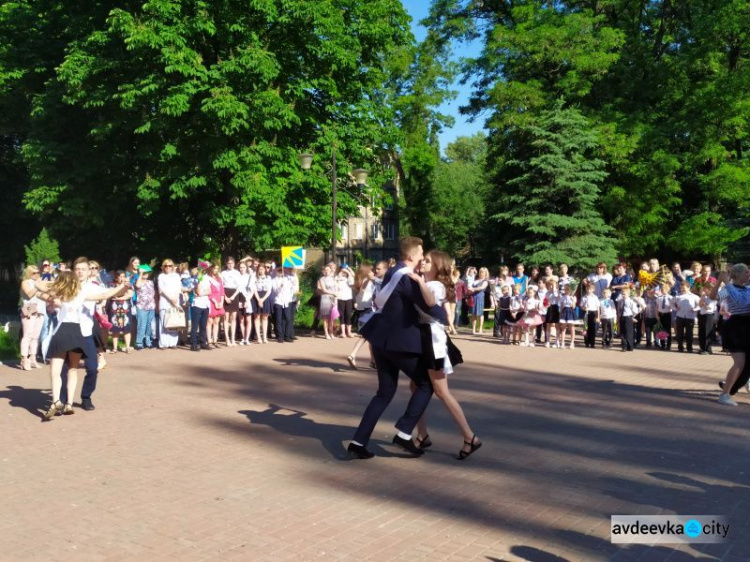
(84, 313)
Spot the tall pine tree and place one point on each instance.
(551, 192)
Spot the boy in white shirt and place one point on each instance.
(686, 305)
(590, 304)
(706, 320)
(629, 309)
(664, 310)
(607, 315)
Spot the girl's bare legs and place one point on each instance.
(564, 333)
(734, 371)
(245, 328)
(115, 342)
(230, 327)
(331, 328)
(216, 328)
(325, 328)
(440, 385)
(264, 327)
(353, 355)
(55, 378)
(256, 324)
(73, 360)
(473, 324)
(451, 315)
(126, 337)
(572, 336)
(481, 324)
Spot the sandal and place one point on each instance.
(474, 444)
(423, 442)
(68, 410)
(52, 412)
(352, 362)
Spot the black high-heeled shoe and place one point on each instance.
(474, 444)
(423, 442)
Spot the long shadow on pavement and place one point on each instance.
(32, 400)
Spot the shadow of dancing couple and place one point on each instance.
(407, 334)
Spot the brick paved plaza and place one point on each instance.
(239, 454)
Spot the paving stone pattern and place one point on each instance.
(239, 454)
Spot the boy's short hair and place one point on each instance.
(505, 289)
(407, 245)
(607, 290)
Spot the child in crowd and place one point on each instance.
(552, 318)
(542, 296)
(516, 313)
(532, 317)
(590, 304)
(568, 316)
(629, 309)
(686, 305)
(706, 319)
(664, 310)
(607, 316)
(502, 314)
(650, 315)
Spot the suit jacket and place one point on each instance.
(396, 327)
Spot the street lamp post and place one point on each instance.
(360, 177)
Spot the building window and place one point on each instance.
(344, 230)
(390, 231)
(375, 231)
(357, 231)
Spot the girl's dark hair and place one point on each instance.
(441, 262)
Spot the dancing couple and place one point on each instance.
(403, 338)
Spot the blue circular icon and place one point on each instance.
(693, 528)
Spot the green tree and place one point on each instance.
(457, 211)
(665, 84)
(43, 247)
(551, 193)
(174, 125)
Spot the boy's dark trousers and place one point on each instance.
(637, 328)
(496, 329)
(684, 333)
(606, 332)
(706, 331)
(665, 319)
(649, 324)
(626, 332)
(590, 339)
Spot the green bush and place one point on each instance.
(9, 346)
(43, 247)
(308, 281)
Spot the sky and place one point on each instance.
(419, 9)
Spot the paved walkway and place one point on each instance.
(239, 454)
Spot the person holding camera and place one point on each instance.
(32, 318)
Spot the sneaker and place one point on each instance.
(726, 400)
(546, 344)
(532, 345)
(572, 346)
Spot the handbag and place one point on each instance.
(29, 309)
(335, 314)
(175, 319)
